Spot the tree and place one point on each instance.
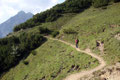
(99, 3)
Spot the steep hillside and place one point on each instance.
(93, 27)
(96, 28)
(51, 62)
(7, 26)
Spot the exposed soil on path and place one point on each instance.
(111, 72)
(79, 75)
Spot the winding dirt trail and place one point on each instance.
(79, 75)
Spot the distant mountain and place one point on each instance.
(7, 26)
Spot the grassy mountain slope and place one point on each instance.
(90, 26)
(96, 25)
(51, 62)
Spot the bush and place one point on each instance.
(28, 24)
(26, 62)
(69, 31)
(116, 0)
(55, 33)
(43, 30)
(13, 49)
(34, 52)
(100, 3)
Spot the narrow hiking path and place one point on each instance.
(79, 75)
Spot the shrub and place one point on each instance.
(34, 52)
(28, 24)
(69, 31)
(99, 3)
(55, 33)
(13, 49)
(26, 62)
(116, 0)
(44, 30)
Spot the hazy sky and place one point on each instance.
(9, 8)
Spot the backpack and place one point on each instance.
(76, 41)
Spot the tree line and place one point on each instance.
(69, 6)
(13, 49)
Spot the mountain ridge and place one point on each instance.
(7, 26)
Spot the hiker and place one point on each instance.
(77, 41)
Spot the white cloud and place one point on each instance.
(9, 8)
(54, 1)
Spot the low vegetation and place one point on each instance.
(55, 33)
(69, 6)
(69, 31)
(63, 21)
(52, 62)
(97, 25)
(13, 49)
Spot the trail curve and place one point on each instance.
(79, 75)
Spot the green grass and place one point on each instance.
(55, 25)
(94, 24)
(53, 60)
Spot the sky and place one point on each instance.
(9, 8)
